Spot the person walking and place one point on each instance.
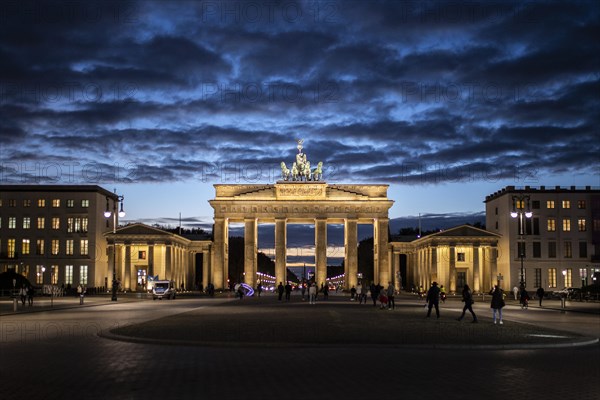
(359, 293)
(30, 293)
(540, 294)
(280, 290)
(524, 298)
(374, 293)
(288, 291)
(516, 292)
(312, 293)
(303, 290)
(467, 297)
(23, 294)
(390, 295)
(433, 299)
(497, 303)
(325, 290)
(352, 293)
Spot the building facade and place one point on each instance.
(557, 246)
(53, 234)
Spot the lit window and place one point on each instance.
(84, 224)
(69, 247)
(12, 203)
(55, 223)
(39, 273)
(552, 277)
(568, 250)
(569, 277)
(39, 247)
(550, 204)
(141, 255)
(55, 247)
(41, 222)
(85, 203)
(25, 246)
(581, 224)
(83, 274)
(581, 204)
(70, 203)
(55, 203)
(83, 247)
(26, 223)
(70, 224)
(566, 225)
(551, 225)
(41, 203)
(566, 204)
(69, 274)
(538, 278)
(54, 274)
(12, 222)
(11, 248)
(27, 203)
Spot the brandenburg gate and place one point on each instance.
(301, 197)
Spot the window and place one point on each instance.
(581, 204)
(551, 225)
(69, 274)
(41, 222)
(55, 223)
(568, 274)
(537, 249)
(83, 274)
(536, 226)
(85, 203)
(142, 255)
(70, 224)
(535, 204)
(566, 204)
(521, 249)
(54, 274)
(12, 203)
(496, 225)
(55, 247)
(581, 224)
(39, 274)
(552, 277)
(568, 250)
(77, 224)
(496, 210)
(25, 247)
(550, 204)
(566, 225)
(39, 247)
(12, 222)
(70, 203)
(27, 203)
(582, 249)
(26, 223)
(41, 203)
(84, 224)
(25, 270)
(551, 249)
(83, 247)
(537, 277)
(459, 256)
(11, 248)
(55, 203)
(69, 247)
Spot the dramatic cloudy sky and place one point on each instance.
(444, 101)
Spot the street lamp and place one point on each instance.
(521, 210)
(107, 214)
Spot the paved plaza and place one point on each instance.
(259, 348)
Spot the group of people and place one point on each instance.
(384, 297)
(26, 293)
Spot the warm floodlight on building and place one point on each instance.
(107, 214)
(521, 209)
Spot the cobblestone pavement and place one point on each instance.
(59, 354)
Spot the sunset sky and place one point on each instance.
(446, 102)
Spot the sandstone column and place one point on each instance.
(250, 251)
(383, 260)
(127, 272)
(320, 251)
(220, 254)
(452, 268)
(476, 282)
(205, 268)
(280, 250)
(351, 245)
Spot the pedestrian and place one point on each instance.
(374, 293)
(383, 299)
(467, 297)
(540, 294)
(303, 290)
(433, 299)
(390, 295)
(240, 291)
(80, 293)
(312, 293)
(23, 294)
(325, 289)
(442, 293)
(352, 293)
(30, 293)
(288, 291)
(516, 292)
(236, 290)
(359, 293)
(497, 303)
(211, 289)
(524, 298)
(258, 289)
(280, 290)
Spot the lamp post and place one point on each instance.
(113, 213)
(521, 210)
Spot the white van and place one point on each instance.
(162, 289)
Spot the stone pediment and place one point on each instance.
(464, 231)
(141, 229)
(301, 191)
